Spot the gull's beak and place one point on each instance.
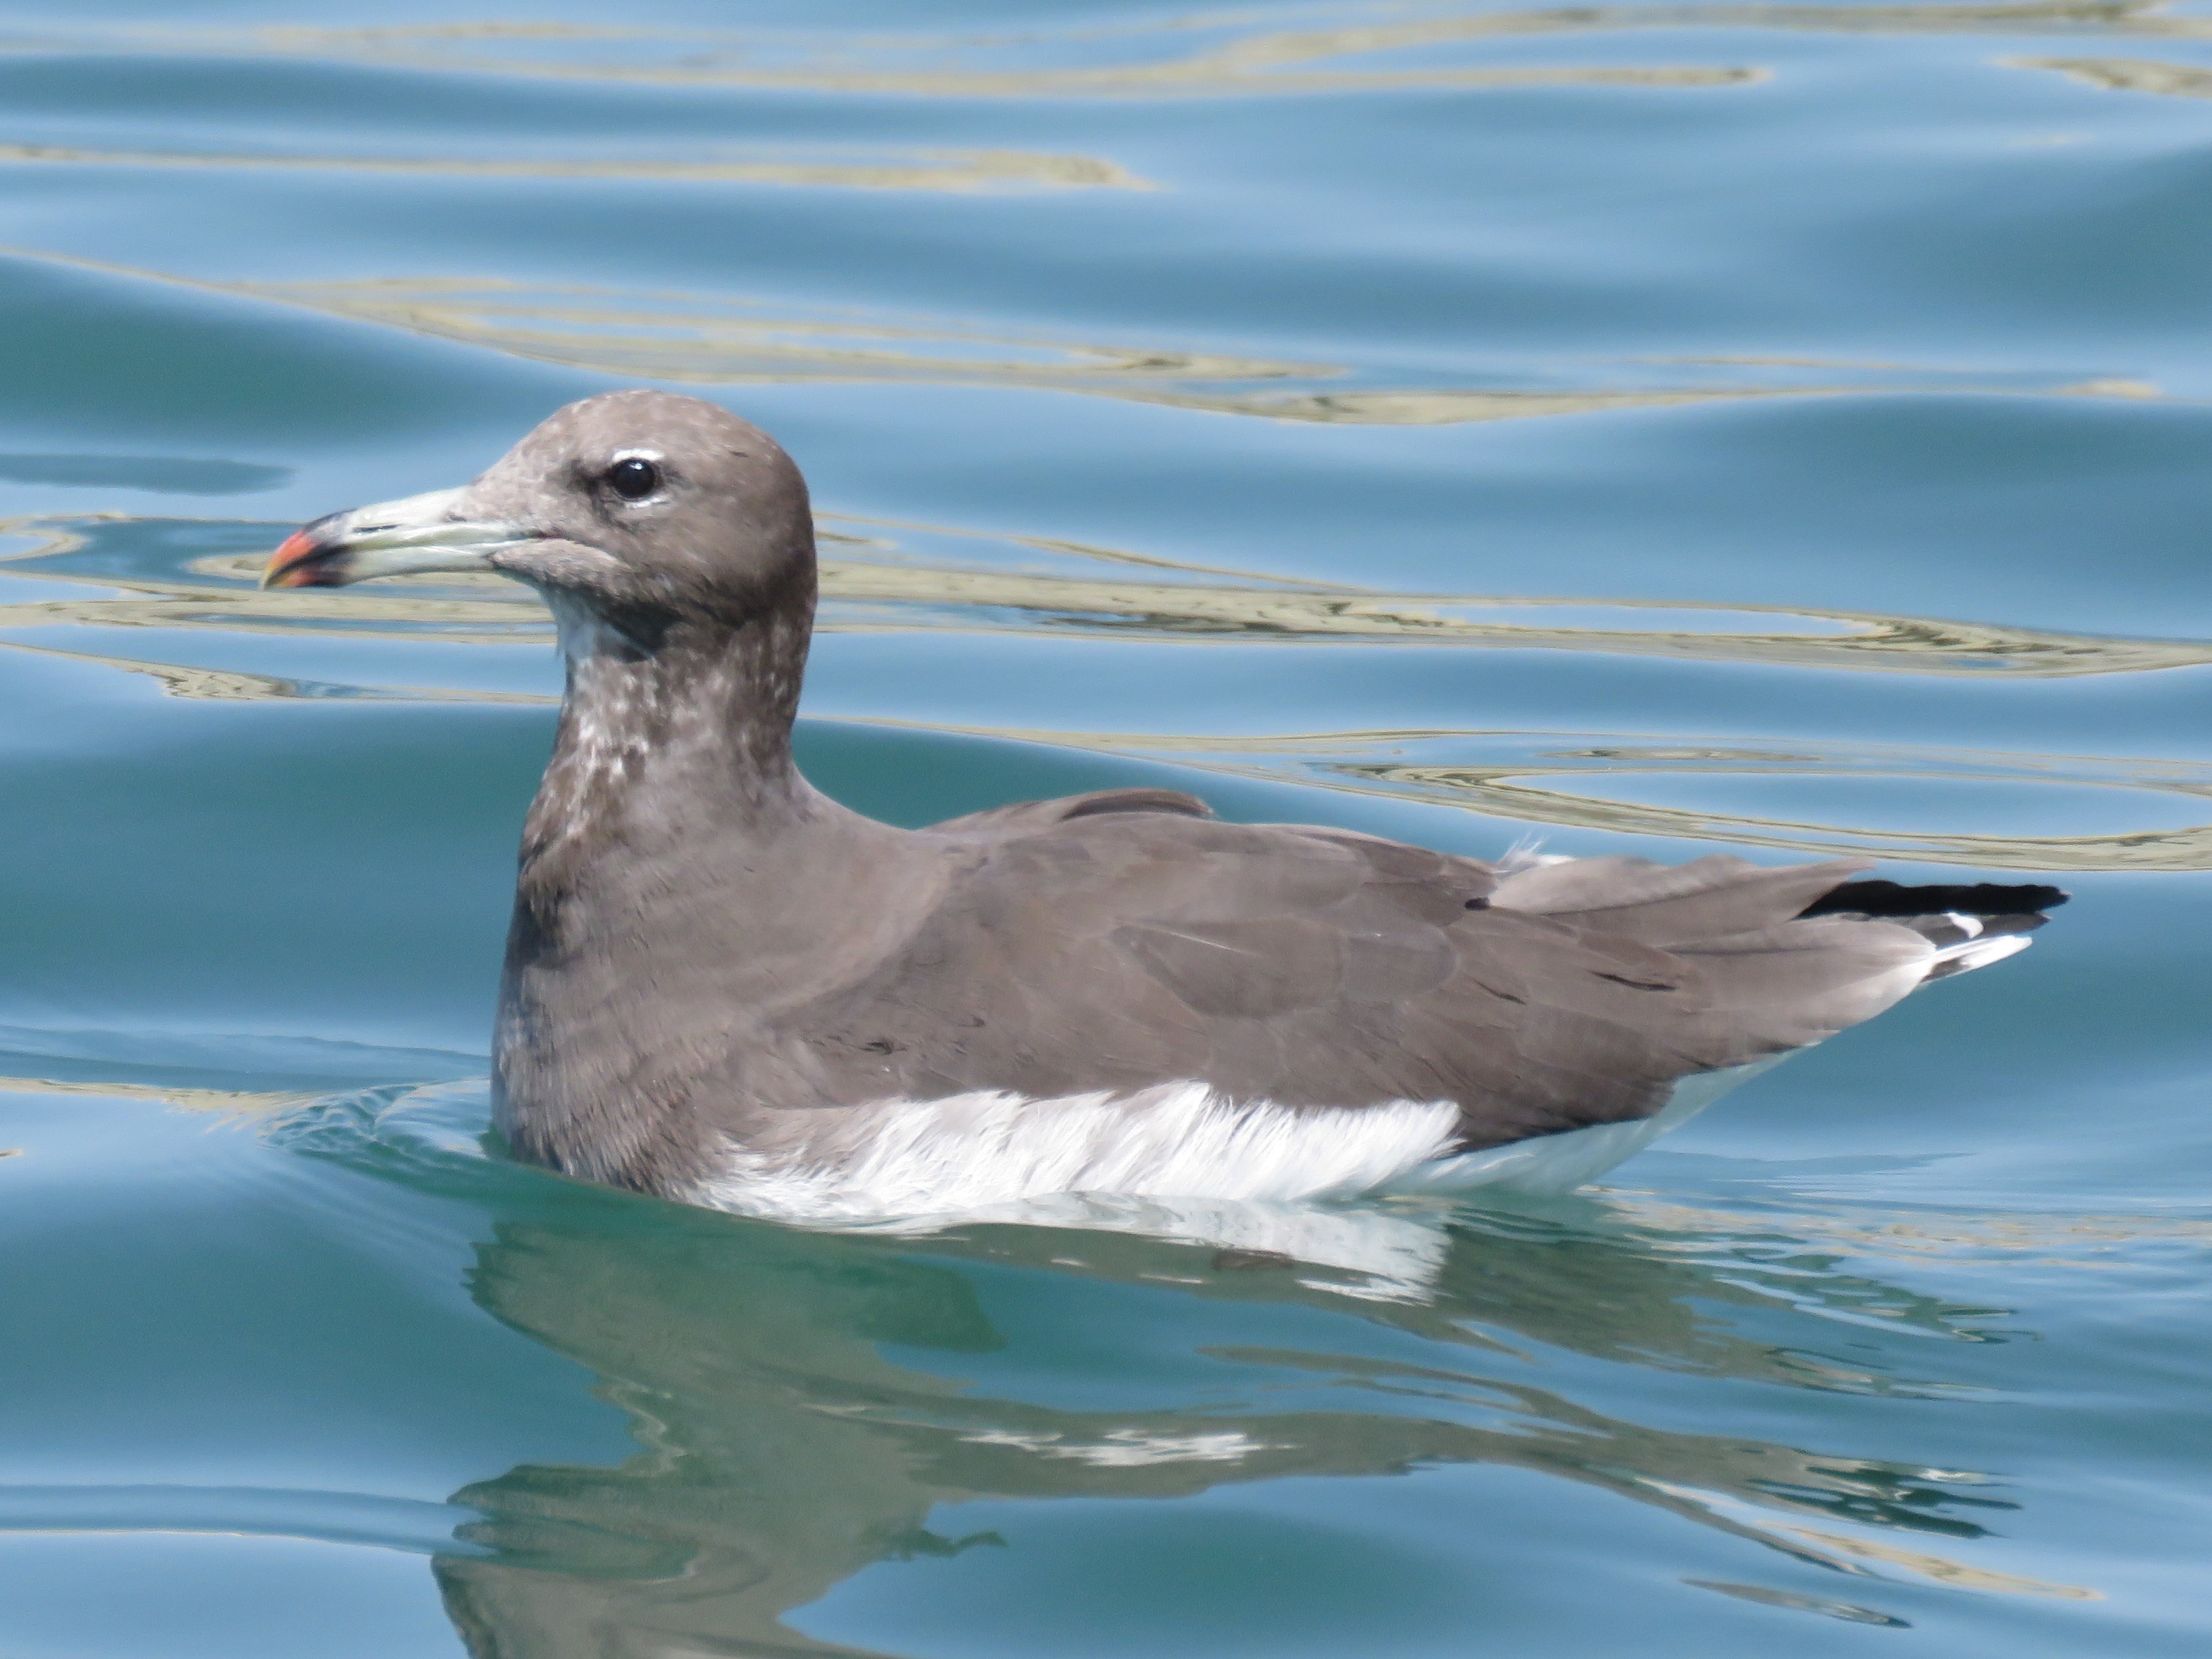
(392, 538)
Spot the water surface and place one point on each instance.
(1774, 427)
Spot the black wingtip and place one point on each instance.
(1891, 898)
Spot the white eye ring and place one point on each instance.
(634, 474)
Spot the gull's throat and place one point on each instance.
(580, 633)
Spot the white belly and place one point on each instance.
(956, 1158)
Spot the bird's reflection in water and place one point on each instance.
(805, 1401)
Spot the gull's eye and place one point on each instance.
(633, 477)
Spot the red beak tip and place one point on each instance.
(287, 565)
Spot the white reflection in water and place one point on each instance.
(804, 1402)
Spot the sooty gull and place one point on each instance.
(723, 986)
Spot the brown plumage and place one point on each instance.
(710, 961)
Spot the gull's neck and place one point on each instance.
(692, 735)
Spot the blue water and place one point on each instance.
(1646, 428)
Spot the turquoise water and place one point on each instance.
(1652, 427)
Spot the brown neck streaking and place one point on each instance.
(704, 718)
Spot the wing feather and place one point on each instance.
(1116, 947)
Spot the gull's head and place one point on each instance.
(643, 509)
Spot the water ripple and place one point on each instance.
(409, 1525)
(1519, 777)
(957, 171)
(1202, 55)
(922, 577)
(687, 338)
